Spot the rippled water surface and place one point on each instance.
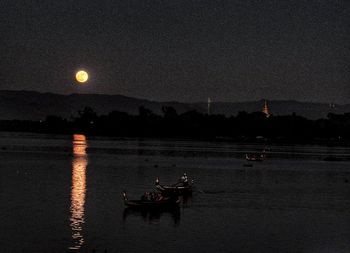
(63, 194)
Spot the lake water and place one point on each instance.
(63, 194)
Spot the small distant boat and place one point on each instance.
(164, 202)
(179, 188)
(255, 158)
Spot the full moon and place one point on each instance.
(81, 76)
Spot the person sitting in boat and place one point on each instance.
(155, 196)
(145, 196)
(159, 197)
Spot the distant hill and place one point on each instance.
(32, 105)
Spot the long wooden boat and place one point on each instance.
(178, 188)
(255, 158)
(165, 202)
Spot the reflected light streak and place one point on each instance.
(78, 190)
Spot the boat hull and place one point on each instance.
(178, 190)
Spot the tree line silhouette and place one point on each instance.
(192, 124)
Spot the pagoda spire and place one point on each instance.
(209, 103)
(266, 109)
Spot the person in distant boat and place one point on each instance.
(144, 197)
(184, 179)
(153, 196)
(159, 197)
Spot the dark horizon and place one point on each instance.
(27, 105)
(175, 101)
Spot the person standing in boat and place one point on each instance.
(184, 179)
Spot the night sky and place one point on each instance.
(179, 50)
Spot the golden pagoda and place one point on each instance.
(266, 109)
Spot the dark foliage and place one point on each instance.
(192, 124)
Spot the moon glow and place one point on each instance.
(81, 76)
